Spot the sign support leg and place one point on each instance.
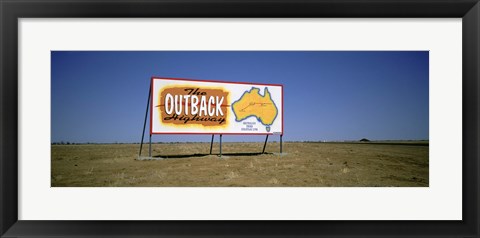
(220, 145)
(265, 145)
(281, 143)
(211, 144)
(145, 121)
(150, 146)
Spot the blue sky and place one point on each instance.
(101, 96)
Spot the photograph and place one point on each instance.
(239, 118)
(282, 118)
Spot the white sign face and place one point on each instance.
(186, 106)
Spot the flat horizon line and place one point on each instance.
(285, 141)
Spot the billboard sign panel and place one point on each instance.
(187, 106)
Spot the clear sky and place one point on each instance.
(101, 96)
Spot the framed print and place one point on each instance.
(280, 118)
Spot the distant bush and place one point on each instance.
(364, 140)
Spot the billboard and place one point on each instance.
(187, 106)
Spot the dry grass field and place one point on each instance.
(189, 165)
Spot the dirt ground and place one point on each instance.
(189, 165)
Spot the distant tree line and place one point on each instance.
(64, 143)
(95, 143)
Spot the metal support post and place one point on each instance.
(145, 121)
(265, 145)
(211, 144)
(150, 146)
(281, 143)
(220, 145)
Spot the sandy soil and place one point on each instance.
(189, 165)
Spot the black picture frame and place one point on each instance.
(11, 11)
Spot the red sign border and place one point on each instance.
(205, 133)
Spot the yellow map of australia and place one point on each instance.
(252, 103)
